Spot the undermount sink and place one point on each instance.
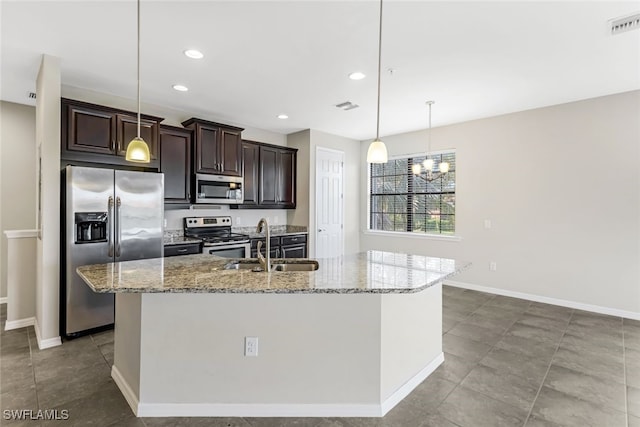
(297, 266)
(282, 265)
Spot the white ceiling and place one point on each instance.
(262, 58)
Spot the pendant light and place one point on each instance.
(428, 162)
(377, 152)
(138, 150)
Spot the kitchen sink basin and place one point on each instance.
(282, 265)
(298, 266)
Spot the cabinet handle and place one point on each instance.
(181, 251)
(113, 145)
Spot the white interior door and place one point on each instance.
(329, 203)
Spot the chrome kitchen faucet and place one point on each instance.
(265, 263)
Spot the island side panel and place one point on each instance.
(314, 349)
(126, 362)
(411, 339)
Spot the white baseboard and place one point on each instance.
(20, 323)
(49, 342)
(269, 409)
(126, 390)
(408, 387)
(3, 300)
(554, 301)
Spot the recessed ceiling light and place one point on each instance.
(194, 54)
(180, 88)
(283, 116)
(357, 75)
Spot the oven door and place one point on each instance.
(229, 250)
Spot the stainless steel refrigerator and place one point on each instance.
(110, 215)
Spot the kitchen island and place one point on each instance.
(350, 339)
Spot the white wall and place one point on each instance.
(307, 142)
(561, 186)
(48, 246)
(17, 175)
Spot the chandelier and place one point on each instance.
(427, 165)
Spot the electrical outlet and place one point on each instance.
(165, 223)
(276, 220)
(487, 223)
(493, 266)
(251, 346)
(238, 220)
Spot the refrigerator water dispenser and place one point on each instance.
(91, 227)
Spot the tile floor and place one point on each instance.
(508, 362)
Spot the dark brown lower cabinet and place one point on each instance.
(175, 163)
(289, 246)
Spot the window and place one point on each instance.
(402, 201)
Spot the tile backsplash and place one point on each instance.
(239, 217)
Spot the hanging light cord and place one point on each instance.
(429, 148)
(138, 68)
(379, 73)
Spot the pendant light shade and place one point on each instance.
(138, 150)
(377, 152)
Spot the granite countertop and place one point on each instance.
(179, 240)
(365, 272)
(275, 230)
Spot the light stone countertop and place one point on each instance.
(365, 272)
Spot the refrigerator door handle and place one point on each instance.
(110, 221)
(117, 231)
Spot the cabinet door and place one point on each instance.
(91, 131)
(299, 251)
(207, 149)
(286, 194)
(175, 161)
(251, 163)
(230, 152)
(269, 158)
(127, 129)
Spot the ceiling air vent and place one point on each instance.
(31, 95)
(626, 23)
(347, 105)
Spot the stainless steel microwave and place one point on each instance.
(219, 189)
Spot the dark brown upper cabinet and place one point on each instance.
(269, 176)
(251, 166)
(127, 129)
(217, 147)
(90, 130)
(98, 134)
(175, 163)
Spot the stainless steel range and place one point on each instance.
(215, 233)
